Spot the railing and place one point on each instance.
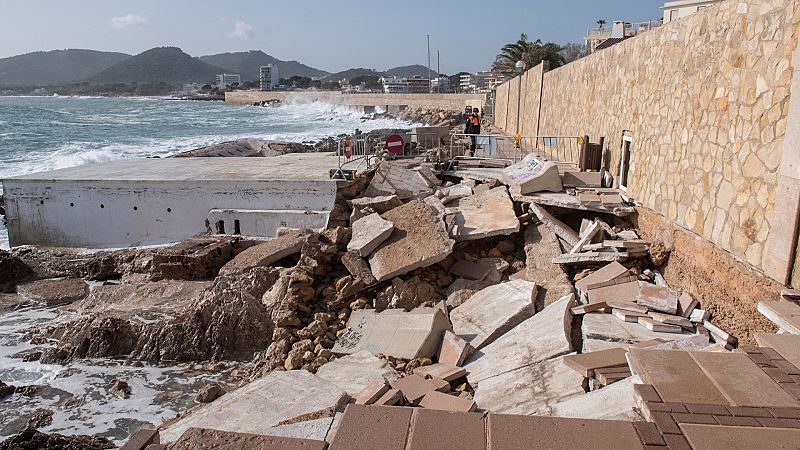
(504, 150)
(359, 152)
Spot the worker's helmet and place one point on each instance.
(475, 110)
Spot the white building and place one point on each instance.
(227, 79)
(269, 77)
(676, 9)
(440, 85)
(618, 31)
(395, 85)
(473, 82)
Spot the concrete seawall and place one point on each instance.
(364, 102)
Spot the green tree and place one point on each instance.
(530, 53)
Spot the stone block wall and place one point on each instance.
(706, 100)
(453, 102)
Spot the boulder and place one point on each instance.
(12, 271)
(418, 240)
(532, 175)
(541, 337)
(54, 292)
(262, 404)
(494, 311)
(368, 233)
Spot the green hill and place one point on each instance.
(55, 67)
(158, 65)
(247, 65)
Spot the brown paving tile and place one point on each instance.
(648, 433)
(202, 439)
(792, 388)
(785, 413)
(676, 376)
(717, 410)
(665, 423)
(693, 418)
(778, 375)
(761, 360)
(771, 353)
(430, 430)
(655, 447)
(647, 392)
(585, 363)
(414, 387)
(677, 442)
(737, 421)
(709, 437)
(676, 407)
(741, 411)
(741, 381)
(787, 345)
(788, 367)
(509, 432)
(445, 402)
(779, 423)
(658, 407)
(749, 349)
(363, 427)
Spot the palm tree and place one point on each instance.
(530, 53)
(601, 23)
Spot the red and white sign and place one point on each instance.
(394, 144)
(348, 148)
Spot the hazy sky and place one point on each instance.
(332, 35)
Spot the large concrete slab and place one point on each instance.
(602, 331)
(353, 373)
(710, 437)
(741, 381)
(541, 246)
(483, 215)
(613, 402)
(494, 311)
(260, 405)
(530, 390)
(368, 233)
(395, 178)
(509, 432)
(788, 345)
(784, 314)
(675, 375)
(533, 175)
(200, 439)
(543, 336)
(419, 240)
(265, 254)
(394, 332)
(156, 201)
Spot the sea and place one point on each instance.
(45, 133)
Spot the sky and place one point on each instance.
(332, 35)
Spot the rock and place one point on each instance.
(209, 393)
(34, 439)
(380, 204)
(459, 297)
(546, 335)
(262, 404)
(353, 373)
(484, 215)
(407, 295)
(267, 253)
(358, 268)
(494, 311)
(119, 388)
(541, 246)
(419, 240)
(54, 292)
(12, 271)
(10, 302)
(397, 333)
(40, 418)
(393, 178)
(6, 390)
(613, 402)
(193, 259)
(532, 175)
(368, 233)
(529, 390)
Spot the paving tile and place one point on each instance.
(787, 345)
(717, 410)
(201, 439)
(783, 313)
(366, 427)
(771, 353)
(741, 381)
(658, 407)
(676, 376)
(741, 411)
(792, 388)
(709, 437)
(665, 423)
(785, 413)
(454, 349)
(372, 393)
(788, 367)
(444, 402)
(141, 439)
(693, 418)
(677, 442)
(433, 430)
(442, 371)
(779, 423)
(606, 273)
(648, 433)
(731, 421)
(676, 407)
(414, 387)
(778, 375)
(760, 359)
(392, 397)
(647, 392)
(586, 363)
(658, 298)
(508, 432)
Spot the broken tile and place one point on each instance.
(442, 371)
(699, 316)
(353, 373)
(391, 397)
(577, 259)
(627, 316)
(372, 393)
(590, 233)
(686, 305)
(394, 332)
(454, 349)
(585, 309)
(784, 314)
(369, 232)
(601, 331)
(659, 327)
(266, 254)
(197, 438)
(658, 298)
(614, 402)
(671, 320)
(556, 226)
(419, 240)
(533, 175)
(719, 334)
(541, 337)
(484, 215)
(444, 402)
(470, 270)
(626, 305)
(414, 387)
(393, 178)
(585, 363)
(494, 311)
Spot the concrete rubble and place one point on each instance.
(368, 233)
(533, 175)
(483, 215)
(266, 254)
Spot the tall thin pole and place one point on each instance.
(438, 73)
(429, 63)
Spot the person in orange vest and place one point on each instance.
(473, 128)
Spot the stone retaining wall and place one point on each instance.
(453, 102)
(706, 99)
